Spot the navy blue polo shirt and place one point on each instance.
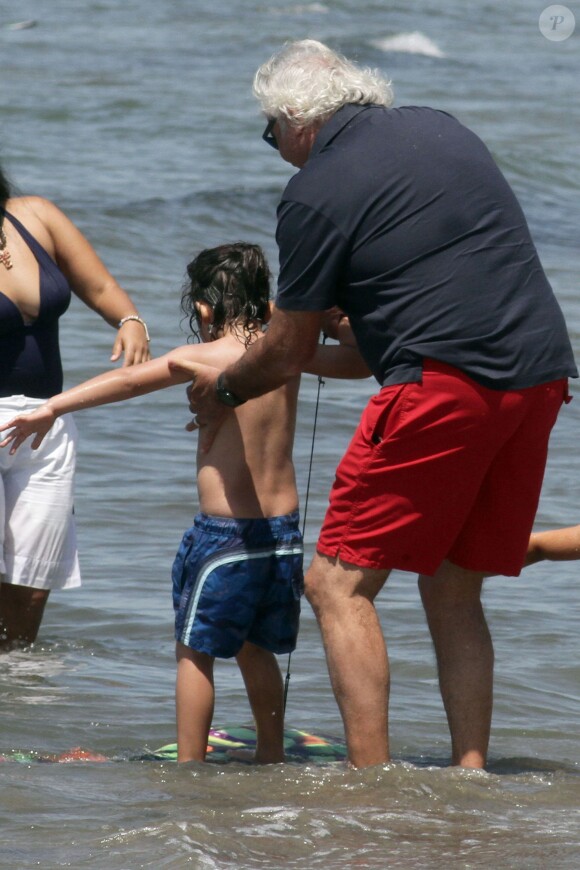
(402, 218)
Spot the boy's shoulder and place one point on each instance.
(218, 353)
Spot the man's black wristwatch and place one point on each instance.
(226, 396)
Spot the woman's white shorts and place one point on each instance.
(38, 545)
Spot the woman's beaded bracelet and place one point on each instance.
(138, 319)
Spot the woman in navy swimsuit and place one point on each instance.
(43, 258)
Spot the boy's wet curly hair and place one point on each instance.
(234, 280)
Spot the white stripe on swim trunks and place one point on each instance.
(228, 560)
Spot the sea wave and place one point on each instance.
(410, 43)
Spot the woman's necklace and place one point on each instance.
(5, 257)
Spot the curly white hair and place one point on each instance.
(306, 82)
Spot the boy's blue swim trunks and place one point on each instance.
(237, 580)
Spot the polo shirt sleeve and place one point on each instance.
(313, 257)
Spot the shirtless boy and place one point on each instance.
(237, 577)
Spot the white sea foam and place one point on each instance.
(21, 25)
(301, 9)
(311, 7)
(411, 43)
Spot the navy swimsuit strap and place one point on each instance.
(36, 248)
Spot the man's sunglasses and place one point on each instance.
(268, 136)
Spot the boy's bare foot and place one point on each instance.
(248, 756)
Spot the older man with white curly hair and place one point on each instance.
(401, 219)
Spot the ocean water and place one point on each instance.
(137, 118)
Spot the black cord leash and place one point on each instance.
(320, 384)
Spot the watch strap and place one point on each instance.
(225, 395)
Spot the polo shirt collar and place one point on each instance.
(336, 125)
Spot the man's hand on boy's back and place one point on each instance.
(203, 401)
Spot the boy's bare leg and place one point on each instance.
(21, 612)
(464, 651)
(342, 597)
(556, 545)
(265, 689)
(194, 702)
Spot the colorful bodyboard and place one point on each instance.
(299, 746)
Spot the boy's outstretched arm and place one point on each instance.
(112, 386)
(36, 423)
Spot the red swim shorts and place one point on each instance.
(442, 469)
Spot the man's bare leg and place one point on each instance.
(265, 689)
(464, 650)
(342, 598)
(194, 702)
